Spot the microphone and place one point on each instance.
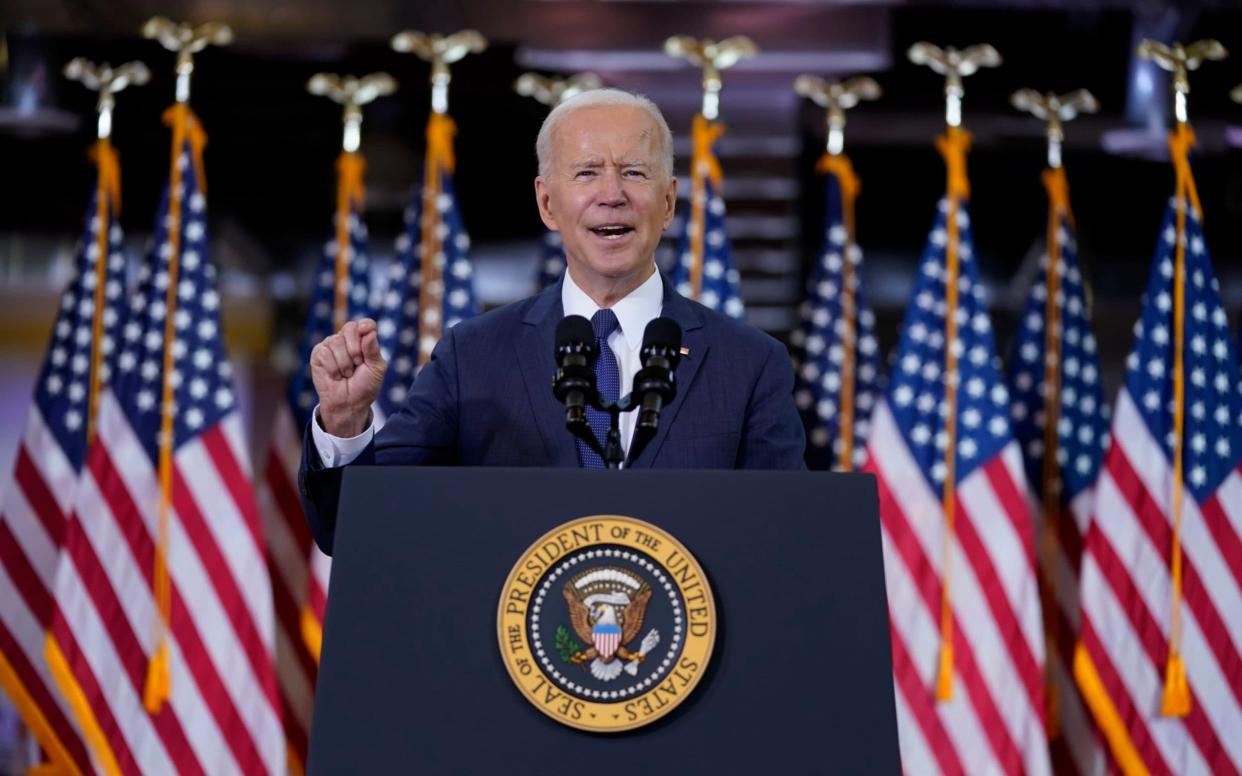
(654, 385)
(574, 382)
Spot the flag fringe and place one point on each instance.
(1106, 714)
(944, 674)
(58, 666)
(32, 716)
(312, 632)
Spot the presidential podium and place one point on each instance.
(412, 679)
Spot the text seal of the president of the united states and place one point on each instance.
(606, 623)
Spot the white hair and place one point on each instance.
(595, 98)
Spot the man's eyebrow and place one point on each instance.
(586, 163)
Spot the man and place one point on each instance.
(485, 399)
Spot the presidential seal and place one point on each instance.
(606, 623)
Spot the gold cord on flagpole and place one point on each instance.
(352, 93)
(1179, 60)
(839, 97)
(185, 41)
(953, 145)
(1054, 110)
(440, 52)
(108, 82)
(712, 57)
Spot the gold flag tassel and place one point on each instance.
(108, 82)
(440, 51)
(185, 128)
(1176, 698)
(839, 97)
(350, 195)
(704, 167)
(439, 163)
(712, 57)
(107, 207)
(839, 166)
(1054, 110)
(1179, 60)
(953, 145)
(1058, 207)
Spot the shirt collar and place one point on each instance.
(634, 311)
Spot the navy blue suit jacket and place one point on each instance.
(485, 399)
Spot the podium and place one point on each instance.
(412, 680)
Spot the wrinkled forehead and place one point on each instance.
(607, 133)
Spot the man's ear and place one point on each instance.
(542, 199)
(670, 201)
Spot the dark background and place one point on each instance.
(272, 145)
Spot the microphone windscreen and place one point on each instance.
(662, 332)
(574, 330)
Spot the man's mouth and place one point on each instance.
(612, 231)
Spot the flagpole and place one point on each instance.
(185, 41)
(108, 82)
(351, 93)
(712, 57)
(1054, 110)
(440, 52)
(837, 98)
(1179, 60)
(953, 146)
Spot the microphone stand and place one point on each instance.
(611, 451)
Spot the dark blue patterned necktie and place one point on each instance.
(607, 380)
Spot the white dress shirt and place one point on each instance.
(634, 312)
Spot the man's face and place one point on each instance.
(607, 193)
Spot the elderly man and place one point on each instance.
(606, 184)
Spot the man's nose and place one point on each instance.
(612, 189)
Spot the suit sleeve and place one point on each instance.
(423, 432)
(773, 437)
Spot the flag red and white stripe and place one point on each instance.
(1125, 593)
(290, 549)
(37, 501)
(32, 525)
(994, 722)
(222, 715)
(162, 632)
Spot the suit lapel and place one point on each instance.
(693, 338)
(538, 364)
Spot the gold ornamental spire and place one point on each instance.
(712, 57)
(1180, 60)
(954, 65)
(440, 51)
(352, 93)
(837, 97)
(185, 41)
(552, 91)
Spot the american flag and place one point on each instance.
(299, 570)
(1159, 587)
(967, 640)
(839, 372)
(431, 284)
(1055, 356)
(552, 265)
(704, 270)
(162, 635)
(49, 462)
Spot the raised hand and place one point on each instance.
(348, 371)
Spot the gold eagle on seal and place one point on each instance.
(606, 609)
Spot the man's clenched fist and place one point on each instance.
(348, 371)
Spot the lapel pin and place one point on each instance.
(685, 351)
